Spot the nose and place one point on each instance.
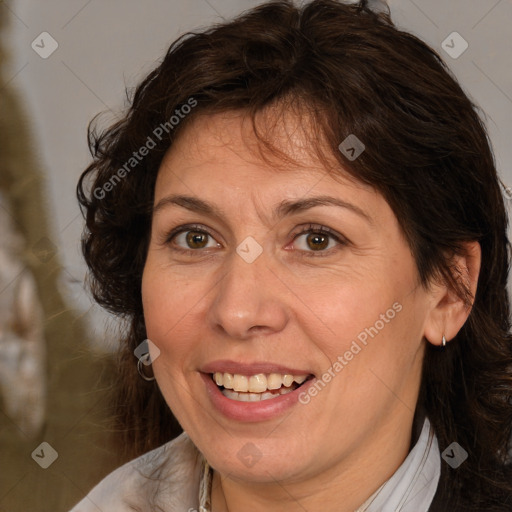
(248, 300)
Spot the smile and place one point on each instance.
(258, 387)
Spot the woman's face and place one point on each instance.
(258, 276)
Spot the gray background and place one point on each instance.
(107, 45)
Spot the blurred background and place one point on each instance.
(61, 64)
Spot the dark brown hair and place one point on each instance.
(427, 152)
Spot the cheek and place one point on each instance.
(158, 302)
(370, 333)
(168, 315)
(341, 314)
(170, 305)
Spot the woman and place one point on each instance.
(301, 221)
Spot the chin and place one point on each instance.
(258, 460)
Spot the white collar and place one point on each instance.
(413, 485)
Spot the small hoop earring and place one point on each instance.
(444, 341)
(140, 362)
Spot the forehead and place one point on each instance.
(224, 148)
(216, 165)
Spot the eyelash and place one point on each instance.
(320, 230)
(310, 229)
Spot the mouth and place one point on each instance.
(258, 387)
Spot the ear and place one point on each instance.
(448, 312)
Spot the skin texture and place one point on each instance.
(291, 306)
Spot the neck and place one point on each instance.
(343, 487)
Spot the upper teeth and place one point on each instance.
(256, 383)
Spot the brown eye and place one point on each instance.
(196, 239)
(191, 239)
(317, 241)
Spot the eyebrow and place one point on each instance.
(284, 208)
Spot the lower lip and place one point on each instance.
(251, 411)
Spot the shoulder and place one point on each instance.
(168, 475)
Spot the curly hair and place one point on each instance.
(427, 152)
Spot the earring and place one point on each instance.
(444, 341)
(140, 362)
